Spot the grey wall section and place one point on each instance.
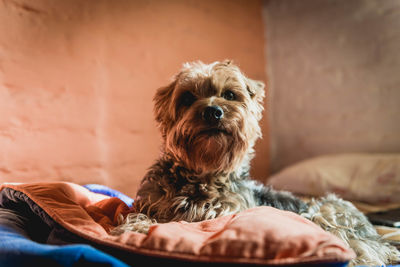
(334, 77)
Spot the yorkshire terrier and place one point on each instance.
(209, 121)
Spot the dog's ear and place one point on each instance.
(257, 94)
(227, 62)
(256, 89)
(162, 102)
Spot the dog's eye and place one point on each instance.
(187, 99)
(229, 95)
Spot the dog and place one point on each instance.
(209, 121)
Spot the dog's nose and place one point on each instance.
(213, 114)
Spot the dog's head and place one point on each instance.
(208, 116)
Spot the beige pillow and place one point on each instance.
(372, 178)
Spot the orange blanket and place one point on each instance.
(262, 235)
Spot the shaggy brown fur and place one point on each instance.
(208, 117)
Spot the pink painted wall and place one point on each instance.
(77, 80)
(334, 71)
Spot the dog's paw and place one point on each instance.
(133, 222)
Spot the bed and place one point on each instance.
(66, 224)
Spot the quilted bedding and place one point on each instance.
(68, 225)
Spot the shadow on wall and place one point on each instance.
(334, 70)
(77, 80)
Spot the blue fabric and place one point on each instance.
(102, 189)
(17, 250)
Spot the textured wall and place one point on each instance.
(334, 71)
(77, 80)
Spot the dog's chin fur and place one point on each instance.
(203, 170)
(210, 151)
